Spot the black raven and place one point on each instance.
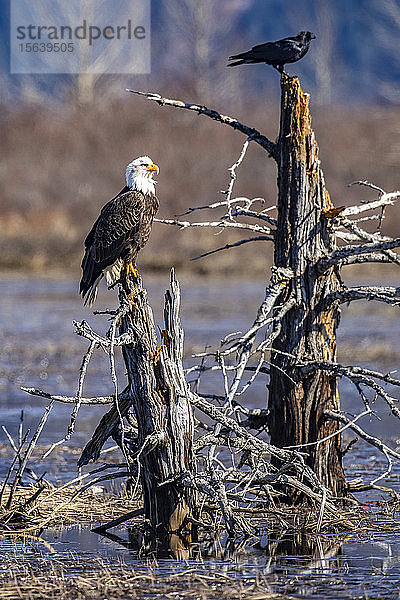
(277, 54)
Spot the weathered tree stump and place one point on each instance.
(298, 399)
(159, 396)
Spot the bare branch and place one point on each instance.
(214, 205)
(252, 442)
(373, 441)
(386, 377)
(84, 330)
(217, 224)
(339, 256)
(28, 452)
(280, 279)
(384, 200)
(363, 258)
(68, 399)
(389, 295)
(359, 377)
(108, 424)
(248, 203)
(252, 133)
(232, 172)
(74, 414)
(259, 238)
(367, 184)
(368, 411)
(371, 237)
(256, 215)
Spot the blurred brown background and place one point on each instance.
(66, 140)
(61, 163)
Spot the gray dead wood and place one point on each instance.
(106, 428)
(308, 331)
(158, 442)
(160, 399)
(295, 326)
(300, 325)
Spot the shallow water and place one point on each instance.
(38, 348)
(314, 567)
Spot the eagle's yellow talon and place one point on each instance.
(130, 269)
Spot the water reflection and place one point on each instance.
(366, 566)
(320, 550)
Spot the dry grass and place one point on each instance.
(62, 507)
(65, 506)
(86, 502)
(98, 579)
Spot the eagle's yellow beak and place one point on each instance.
(153, 168)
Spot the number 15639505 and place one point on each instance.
(47, 47)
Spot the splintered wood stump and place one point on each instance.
(298, 399)
(159, 395)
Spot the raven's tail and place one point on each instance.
(238, 62)
(241, 59)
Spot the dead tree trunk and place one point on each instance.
(299, 399)
(159, 395)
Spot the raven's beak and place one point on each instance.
(313, 36)
(153, 168)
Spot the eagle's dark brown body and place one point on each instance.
(120, 232)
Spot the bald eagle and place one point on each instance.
(121, 230)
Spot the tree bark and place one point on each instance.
(298, 401)
(159, 395)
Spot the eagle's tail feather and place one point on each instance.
(90, 297)
(91, 293)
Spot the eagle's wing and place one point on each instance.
(117, 227)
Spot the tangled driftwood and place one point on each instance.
(227, 465)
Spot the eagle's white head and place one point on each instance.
(139, 175)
